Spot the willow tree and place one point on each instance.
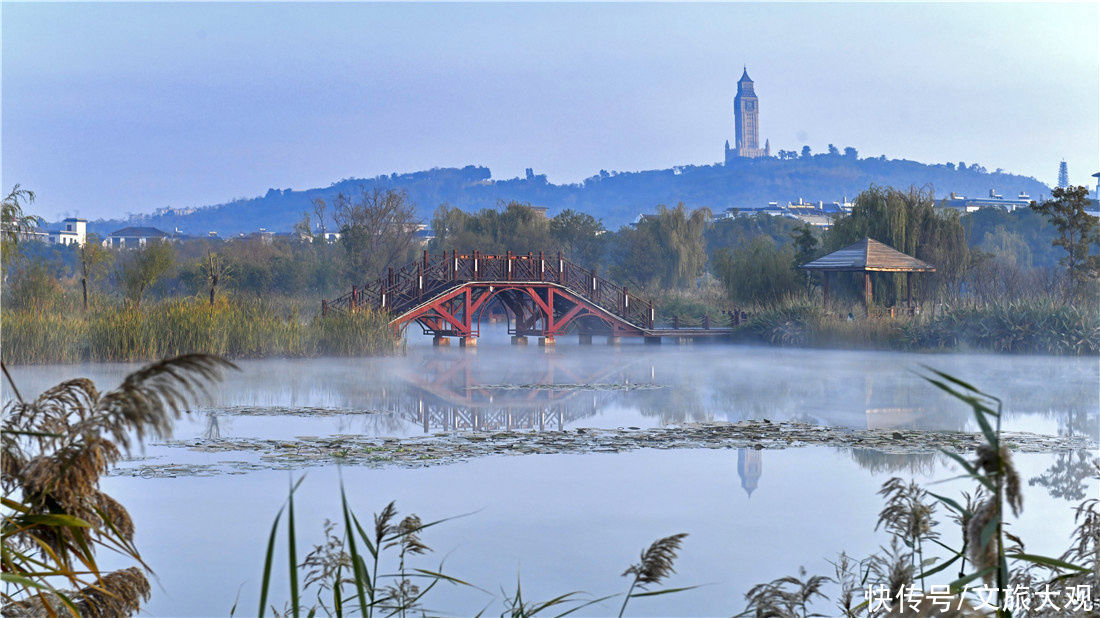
(908, 221)
(14, 223)
(760, 273)
(511, 226)
(668, 246)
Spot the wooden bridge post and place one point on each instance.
(542, 266)
(706, 322)
(626, 301)
(425, 259)
(508, 257)
(593, 275)
(561, 269)
(354, 298)
(867, 296)
(454, 264)
(419, 280)
(389, 282)
(675, 322)
(324, 307)
(652, 315)
(475, 265)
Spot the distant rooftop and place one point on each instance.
(139, 232)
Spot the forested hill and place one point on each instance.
(617, 198)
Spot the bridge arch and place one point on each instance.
(447, 294)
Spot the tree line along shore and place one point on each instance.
(1024, 281)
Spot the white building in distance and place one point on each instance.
(73, 232)
(134, 237)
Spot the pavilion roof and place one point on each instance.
(869, 255)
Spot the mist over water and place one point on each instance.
(574, 521)
(631, 384)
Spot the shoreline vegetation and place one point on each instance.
(240, 329)
(229, 328)
(1018, 327)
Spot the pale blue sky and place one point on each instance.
(115, 108)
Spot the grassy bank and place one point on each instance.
(1041, 327)
(230, 328)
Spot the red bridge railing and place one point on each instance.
(407, 287)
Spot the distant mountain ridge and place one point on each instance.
(616, 197)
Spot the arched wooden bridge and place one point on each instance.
(545, 296)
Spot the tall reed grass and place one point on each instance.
(1037, 326)
(347, 573)
(230, 328)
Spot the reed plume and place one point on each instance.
(655, 565)
(382, 519)
(908, 516)
(325, 564)
(657, 561)
(53, 452)
(408, 536)
(894, 567)
(786, 596)
(997, 464)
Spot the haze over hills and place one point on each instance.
(616, 197)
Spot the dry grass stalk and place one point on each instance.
(847, 575)
(325, 564)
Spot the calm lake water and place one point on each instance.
(567, 522)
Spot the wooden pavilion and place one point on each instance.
(869, 256)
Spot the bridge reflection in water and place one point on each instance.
(500, 388)
(447, 393)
